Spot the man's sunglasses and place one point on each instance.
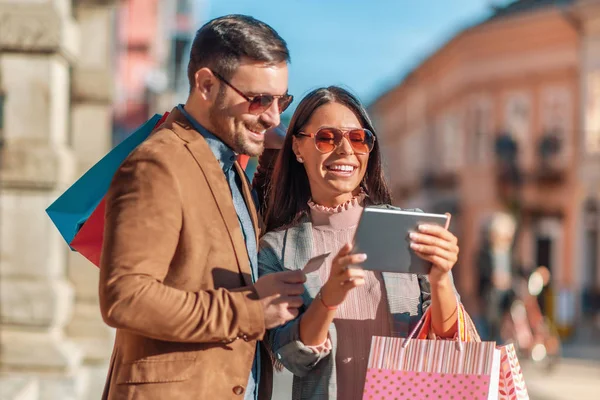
(328, 139)
(261, 102)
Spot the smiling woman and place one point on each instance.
(334, 167)
(338, 124)
(328, 170)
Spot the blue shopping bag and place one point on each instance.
(73, 208)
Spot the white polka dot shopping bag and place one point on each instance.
(411, 368)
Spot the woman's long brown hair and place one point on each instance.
(289, 190)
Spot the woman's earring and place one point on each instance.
(300, 160)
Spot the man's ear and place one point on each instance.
(206, 84)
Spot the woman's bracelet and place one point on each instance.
(330, 308)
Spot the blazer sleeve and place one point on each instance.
(284, 342)
(141, 235)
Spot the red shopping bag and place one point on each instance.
(243, 160)
(88, 240)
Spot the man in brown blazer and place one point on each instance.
(178, 269)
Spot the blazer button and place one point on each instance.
(238, 390)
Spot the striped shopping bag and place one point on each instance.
(432, 369)
(512, 384)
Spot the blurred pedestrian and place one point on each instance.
(496, 265)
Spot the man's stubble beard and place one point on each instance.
(247, 147)
(238, 141)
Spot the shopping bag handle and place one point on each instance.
(459, 318)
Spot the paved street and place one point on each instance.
(572, 379)
(282, 386)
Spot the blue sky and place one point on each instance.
(364, 45)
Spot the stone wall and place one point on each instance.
(55, 77)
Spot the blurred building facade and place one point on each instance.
(504, 117)
(154, 41)
(70, 71)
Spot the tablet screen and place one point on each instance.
(383, 235)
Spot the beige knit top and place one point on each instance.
(364, 313)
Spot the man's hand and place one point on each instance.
(280, 295)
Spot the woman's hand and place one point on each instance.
(344, 276)
(438, 246)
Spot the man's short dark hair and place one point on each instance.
(222, 42)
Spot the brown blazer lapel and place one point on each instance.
(247, 193)
(218, 185)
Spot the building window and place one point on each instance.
(179, 57)
(184, 7)
(410, 155)
(480, 131)
(556, 109)
(556, 115)
(435, 147)
(591, 272)
(452, 142)
(517, 123)
(430, 156)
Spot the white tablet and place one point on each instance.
(383, 235)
